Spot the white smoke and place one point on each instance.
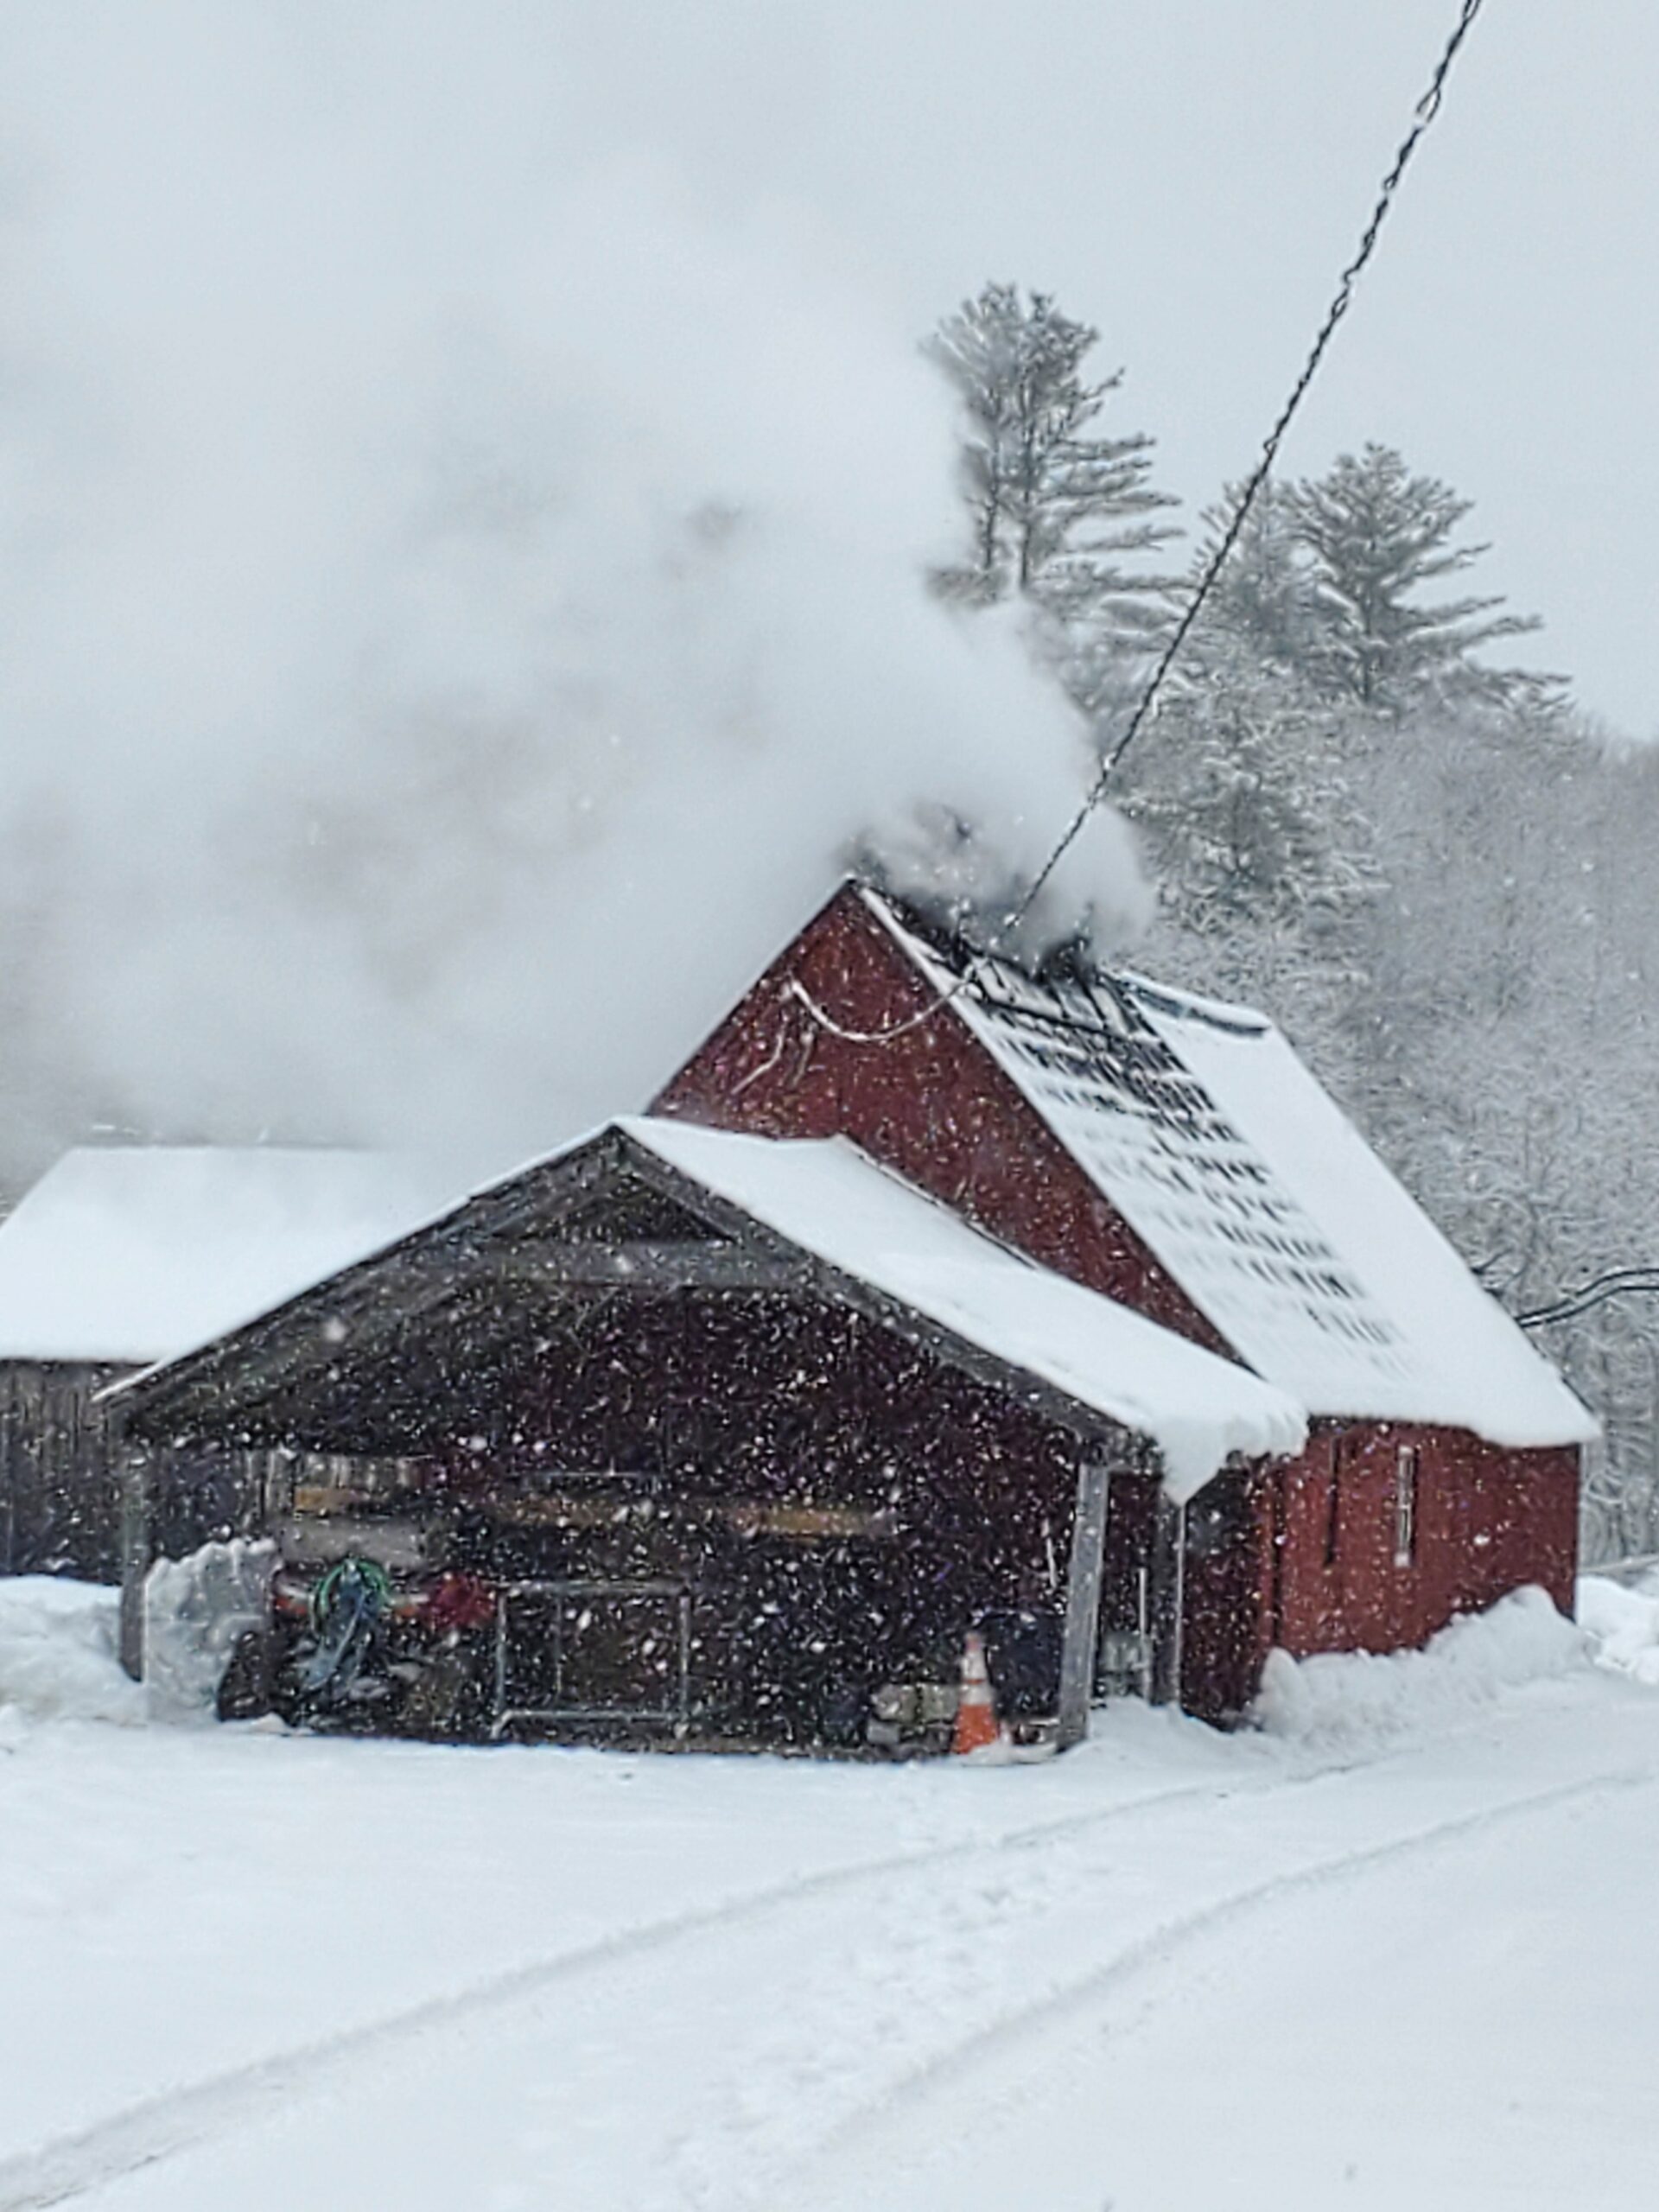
(462, 592)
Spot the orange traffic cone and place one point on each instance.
(976, 1709)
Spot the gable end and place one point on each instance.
(841, 1036)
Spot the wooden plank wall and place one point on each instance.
(63, 1459)
(60, 1463)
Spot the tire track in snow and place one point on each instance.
(906, 2091)
(162, 2126)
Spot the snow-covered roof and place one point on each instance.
(829, 1199)
(1241, 1175)
(135, 1253)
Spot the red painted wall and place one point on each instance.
(929, 1103)
(1487, 1521)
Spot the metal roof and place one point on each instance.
(1206, 1132)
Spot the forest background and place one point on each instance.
(1433, 869)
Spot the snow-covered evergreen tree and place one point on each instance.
(1056, 511)
(1261, 857)
(1374, 534)
(1266, 599)
(1434, 875)
(1245, 803)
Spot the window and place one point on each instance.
(1332, 1512)
(1405, 1505)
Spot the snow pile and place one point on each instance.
(1360, 1698)
(194, 1611)
(1624, 1625)
(59, 1640)
(58, 1661)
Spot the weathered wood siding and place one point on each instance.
(61, 1462)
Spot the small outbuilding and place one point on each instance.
(693, 1436)
(124, 1255)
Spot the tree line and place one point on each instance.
(1430, 865)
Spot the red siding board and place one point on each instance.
(1488, 1522)
(928, 1101)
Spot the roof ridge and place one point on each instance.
(955, 951)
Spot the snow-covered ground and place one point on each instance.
(1399, 1949)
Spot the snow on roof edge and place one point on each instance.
(121, 1255)
(1218, 1411)
(1503, 1391)
(1198, 1409)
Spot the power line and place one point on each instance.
(1425, 112)
(1616, 1282)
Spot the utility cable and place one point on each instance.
(1617, 1282)
(1425, 112)
(1427, 109)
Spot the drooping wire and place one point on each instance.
(1424, 113)
(1617, 1282)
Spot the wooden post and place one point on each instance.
(137, 1549)
(1168, 1559)
(1083, 1602)
(10, 1426)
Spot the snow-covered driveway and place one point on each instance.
(1400, 1953)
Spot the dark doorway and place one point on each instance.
(1220, 1601)
(592, 1652)
(1123, 1656)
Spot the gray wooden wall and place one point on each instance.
(61, 1463)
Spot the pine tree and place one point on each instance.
(1242, 795)
(1374, 535)
(1266, 600)
(1054, 509)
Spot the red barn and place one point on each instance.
(1176, 1156)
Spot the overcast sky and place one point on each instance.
(379, 380)
(1191, 176)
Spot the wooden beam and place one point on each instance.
(372, 1295)
(1083, 1600)
(137, 1551)
(426, 1283)
(1168, 1562)
(640, 1266)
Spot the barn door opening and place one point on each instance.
(1221, 1601)
(1124, 1652)
(592, 1652)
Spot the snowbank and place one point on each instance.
(59, 1640)
(194, 1610)
(58, 1661)
(1624, 1625)
(58, 1646)
(1359, 1698)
